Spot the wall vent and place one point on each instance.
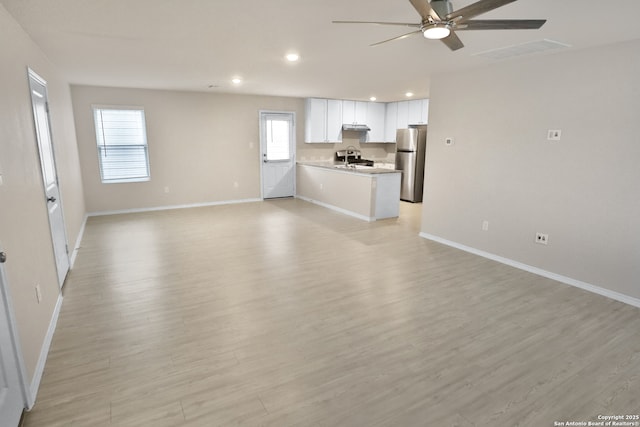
(528, 48)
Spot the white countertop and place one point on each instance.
(359, 169)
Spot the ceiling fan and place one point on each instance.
(440, 21)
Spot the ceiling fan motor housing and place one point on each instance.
(442, 8)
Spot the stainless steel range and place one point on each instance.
(353, 156)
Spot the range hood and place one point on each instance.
(356, 127)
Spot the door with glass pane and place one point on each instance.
(277, 142)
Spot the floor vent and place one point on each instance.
(528, 48)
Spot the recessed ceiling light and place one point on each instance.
(373, 98)
(236, 80)
(409, 94)
(292, 57)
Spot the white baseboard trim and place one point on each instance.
(540, 272)
(44, 352)
(74, 253)
(335, 208)
(170, 207)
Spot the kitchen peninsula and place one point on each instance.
(365, 192)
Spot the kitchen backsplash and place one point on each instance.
(326, 152)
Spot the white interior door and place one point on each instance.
(277, 142)
(49, 175)
(11, 397)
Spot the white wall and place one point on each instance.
(584, 191)
(24, 227)
(200, 146)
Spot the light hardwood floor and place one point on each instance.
(283, 313)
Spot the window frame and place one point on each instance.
(269, 118)
(99, 147)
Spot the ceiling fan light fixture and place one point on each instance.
(436, 31)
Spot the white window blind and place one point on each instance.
(122, 144)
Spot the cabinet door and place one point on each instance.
(354, 112)
(334, 120)
(403, 114)
(361, 117)
(375, 120)
(391, 122)
(418, 111)
(415, 108)
(348, 112)
(425, 110)
(315, 120)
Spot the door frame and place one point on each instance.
(16, 348)
(31, 74)
(261, 148)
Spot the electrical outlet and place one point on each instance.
(554, 134)
(448, 141)
(542, 238)
(38, 293)
(485, 225)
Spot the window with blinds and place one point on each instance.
(122, 144)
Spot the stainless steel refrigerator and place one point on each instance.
(411, 149)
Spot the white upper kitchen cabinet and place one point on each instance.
(323, 122)
(315, 129)
(376, 121)
(418, 111)
(334, 120)
(403, 115)
(354, 112)
(391, 122)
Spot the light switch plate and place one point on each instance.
(554, 134)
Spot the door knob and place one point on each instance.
(3, 257)
(51, 199)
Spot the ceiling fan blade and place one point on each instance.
(452, 41)
(404, 36)
(424, 9)
(475, 9)
(502, 24)
(402, 24)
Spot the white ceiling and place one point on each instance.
(191, 44)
